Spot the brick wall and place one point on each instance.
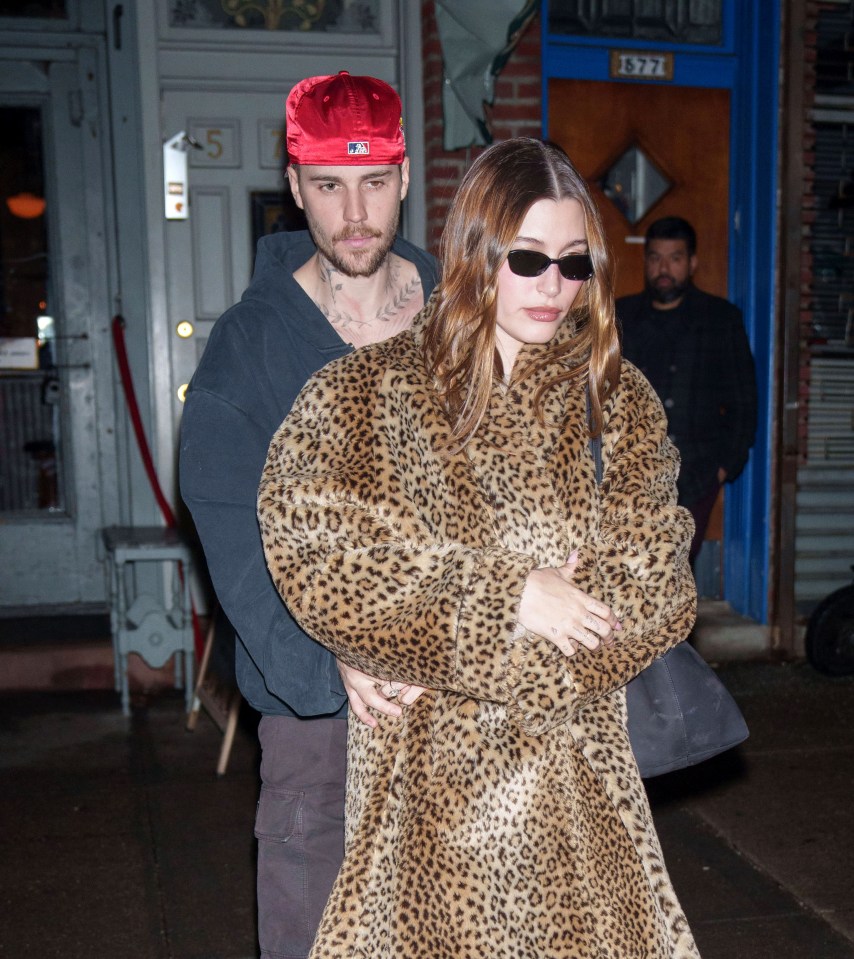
(516, 112)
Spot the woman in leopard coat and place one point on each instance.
(430, 512)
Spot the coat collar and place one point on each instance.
(559, 442)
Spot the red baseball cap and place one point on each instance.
(344, 121)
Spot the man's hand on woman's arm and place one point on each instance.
(367, 692)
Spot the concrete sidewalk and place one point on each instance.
(120, 841)
(759, 841)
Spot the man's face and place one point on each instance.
(668, 270)
(352, 211)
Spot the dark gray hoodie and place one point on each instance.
(260, 354)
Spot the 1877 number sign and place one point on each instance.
(641, 65)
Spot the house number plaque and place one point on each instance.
(641, 65)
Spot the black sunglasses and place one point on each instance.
(573, 266)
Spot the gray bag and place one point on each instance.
(679, 712)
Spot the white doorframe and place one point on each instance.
(271, 64)
(412, 94)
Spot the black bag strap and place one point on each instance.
(595, 443)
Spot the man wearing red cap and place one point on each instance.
(314, 296)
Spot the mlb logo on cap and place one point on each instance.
(358, 148)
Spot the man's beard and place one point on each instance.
(669, 294)
(357, 262)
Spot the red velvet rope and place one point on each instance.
(118, 326)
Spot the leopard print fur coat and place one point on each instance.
(502, 816)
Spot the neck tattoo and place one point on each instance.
(398, 298)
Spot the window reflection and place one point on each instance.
(334, 16)
(30, 475)
(634, 184)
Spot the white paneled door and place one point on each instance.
(57, 462)
(236, 193)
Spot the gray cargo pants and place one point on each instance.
(300, 828)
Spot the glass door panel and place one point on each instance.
(30, 445)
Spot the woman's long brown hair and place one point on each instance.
(483, 223)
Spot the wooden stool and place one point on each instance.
(221, 700)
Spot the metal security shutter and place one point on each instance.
(825, 499)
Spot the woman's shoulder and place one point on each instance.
(361, 372)
(634, 396)
(632, 381)
(402, 352)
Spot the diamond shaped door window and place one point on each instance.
(634, 184)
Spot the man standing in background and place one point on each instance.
(693, 349)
